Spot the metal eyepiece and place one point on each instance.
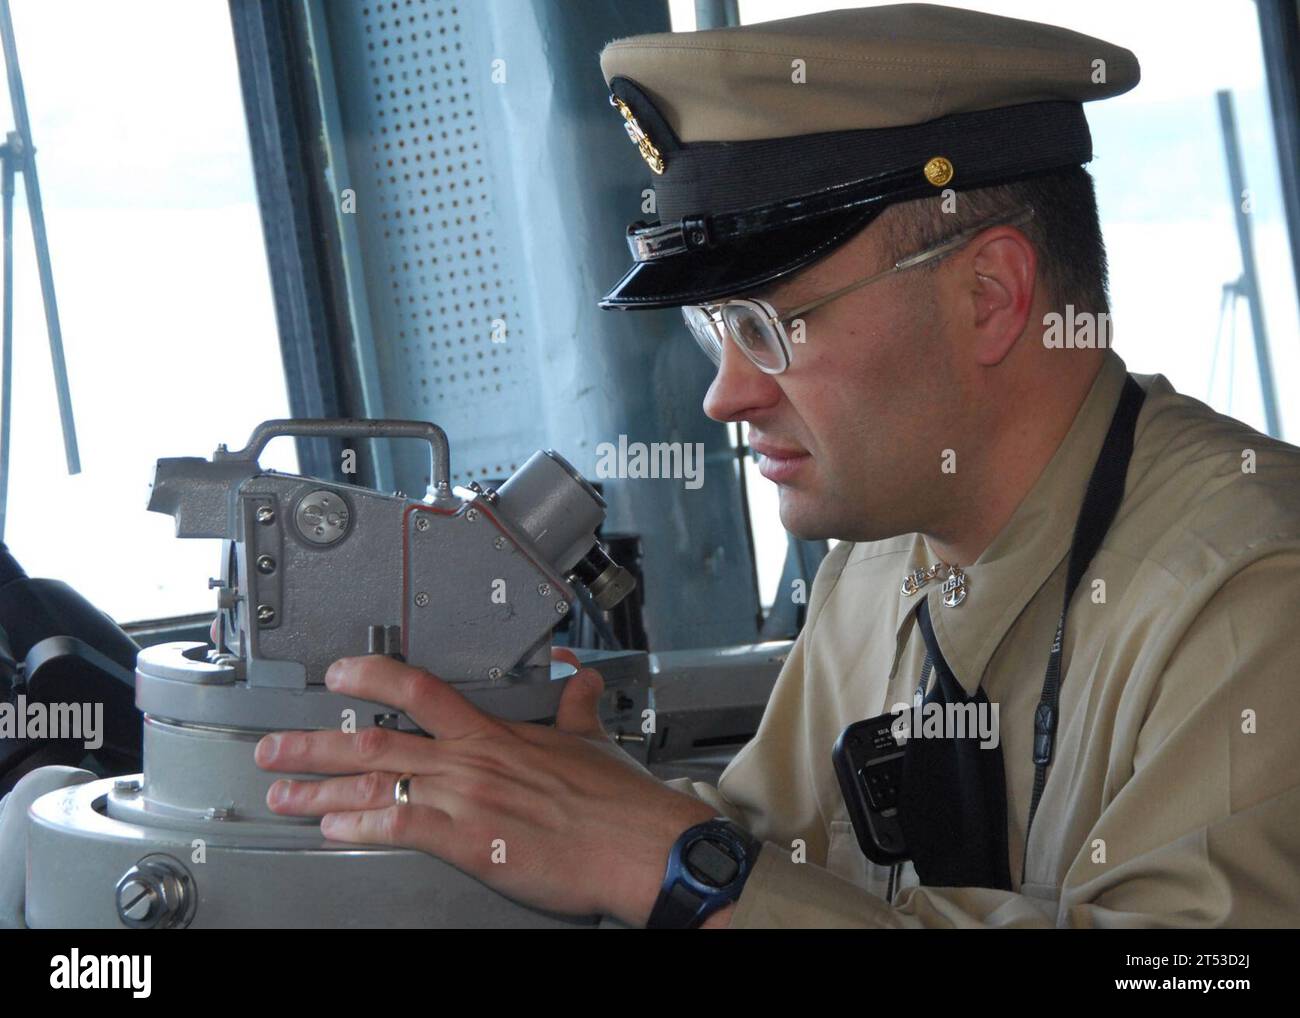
(606, 580)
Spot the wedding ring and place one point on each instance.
(402, 790)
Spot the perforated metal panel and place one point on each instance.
(444, 294)
(493, 184)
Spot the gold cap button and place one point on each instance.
(938, 171)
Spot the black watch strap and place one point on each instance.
(676, 909)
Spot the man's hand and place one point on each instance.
(557, 818)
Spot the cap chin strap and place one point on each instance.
(652, 241)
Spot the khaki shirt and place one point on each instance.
(1174, 795)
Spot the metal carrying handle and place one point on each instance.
(352, 427)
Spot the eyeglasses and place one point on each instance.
(759, 331)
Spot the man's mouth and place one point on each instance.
(778, 463)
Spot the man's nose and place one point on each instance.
(739, 388)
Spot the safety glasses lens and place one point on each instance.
(704, 331)
(755, 335)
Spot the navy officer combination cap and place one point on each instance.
(769, 145)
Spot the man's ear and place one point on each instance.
(998, 283)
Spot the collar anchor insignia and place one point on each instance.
(954, 585)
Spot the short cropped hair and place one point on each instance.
(1065, 230)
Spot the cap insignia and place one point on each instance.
(637, 133)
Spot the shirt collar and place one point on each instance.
(1027, 550)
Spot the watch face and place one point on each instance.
(711, 863)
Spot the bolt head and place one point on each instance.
(265, 564)
(136, 900)
(499, 543)
(265, 514)
(562, 607)
(421, 599)
(471, 515)
(157, 892)
(494, 674)
(265, 614)
(421, 523)
(544, 589)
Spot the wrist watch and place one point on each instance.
(707, 870)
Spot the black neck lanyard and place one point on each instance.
(1101, 503)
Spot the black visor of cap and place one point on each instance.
(728, 269)
(847, 177)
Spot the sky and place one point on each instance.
(161, 278)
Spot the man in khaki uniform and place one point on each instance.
(1173, 796)
(878, 226)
